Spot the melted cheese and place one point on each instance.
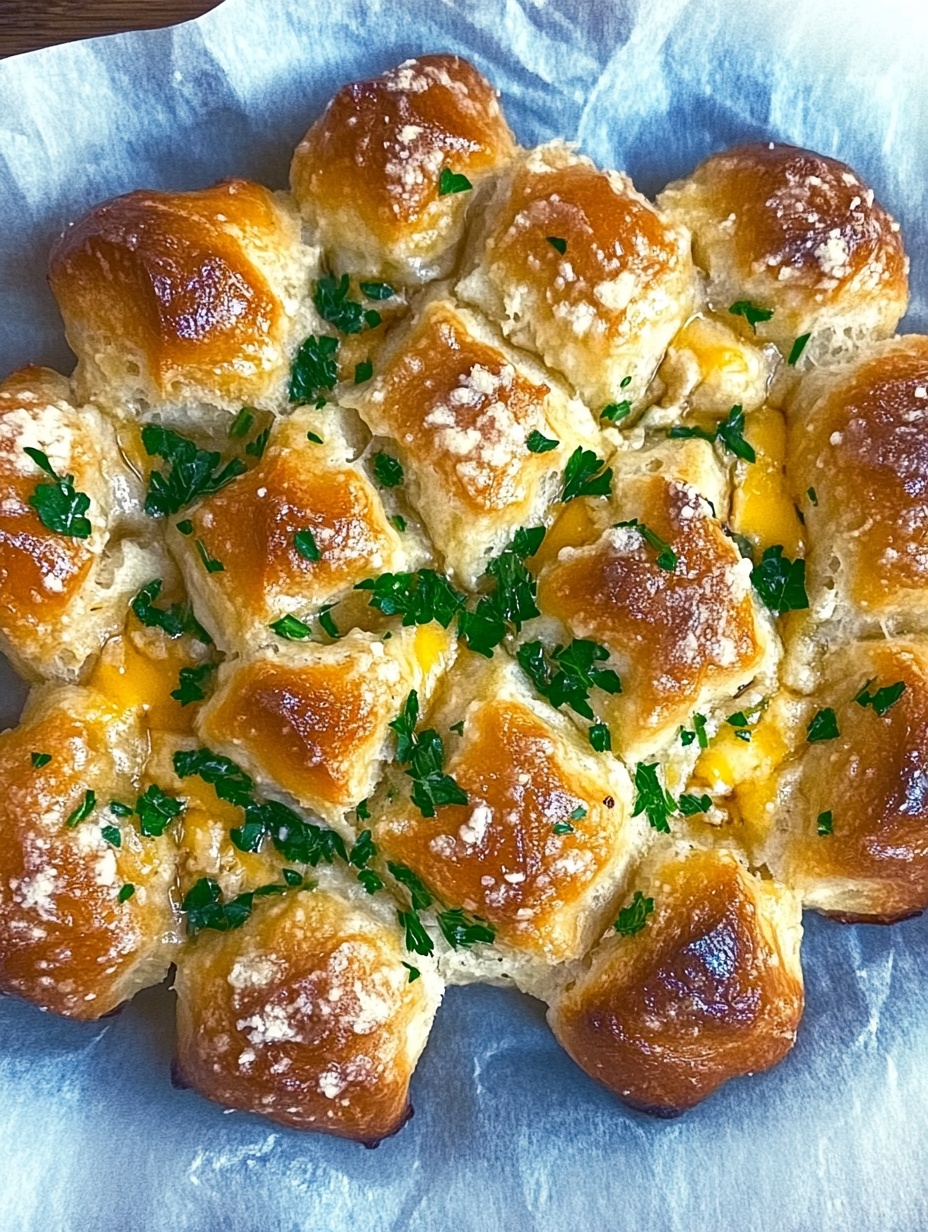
(132, 673)
(762, 508)
(715, 348)
(574, 526)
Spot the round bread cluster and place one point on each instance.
(462, 568)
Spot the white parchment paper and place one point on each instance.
(508, 1136)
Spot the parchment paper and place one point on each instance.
(508, 1135)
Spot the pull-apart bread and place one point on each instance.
(462, 568)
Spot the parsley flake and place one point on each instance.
(698, 733)
(730, 432)
(566, 674)
(538, 443)
(185, 527)
(369, 879)
(291, 628)
(797, 349)
(83, 810)
(399, 522)
(327, 622)
(512, 600)
(780, 582)
(174, 621)
(633, 918)
(118, 809)
(417, 939)
(112, 835)
(578, 814)
(449, 182)
(190, 683)
(823, 726)
(363, 812)
(388, 470)
(751, 313)
(156, 810)
(363, 850)
(417, 597)
(419, 895)
(305, 543)
(59, 507)
(600, 738)
(363, 371)
(883, 698)
(812, 495)
(315, 438)
(242, 422)
(204, 906)
(423, 755)
(256, 448)
(653, 799)
(824, 824)
(209, 562)
(557, 243)
(562, 827)
(193, 472)
(584, 475)
(125, 893)
(690, 805)
(39, 760)
(314, 369)
(292, 877)
(463, 931)
(333, 305)
(616, 411)
(414, 972)
(666, 556)
(376, 290)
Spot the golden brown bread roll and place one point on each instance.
(850, 818)
(708, 989)
(179, 297)
(858, 465)
(685, 633)
(575, 264)
(542, 845)
(798, 235)
(251, 528)
(74, 937)
(65, 573)
(368, 176)
(313, 719)
(463, 409)
(306, 1014)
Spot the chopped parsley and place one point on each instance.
(229, 781)
(414, 972)
(527, 540)
(562, 827)
(557, 243)
(616, 411)
(458, 727)
(333, 305)
(291, 628)
(205, 908)
(174, 621)
(698, 732)
(566, 674)
(797, 349)
(363, 850)
(823, 726)
(242, 423)
(538, 443)
(190, 684)
(156, 810)
(653, 799)
(417, 597)
(690, 805)
(512, 600)
(118, 809)
(305, 543)
(83, 810)
(185, 527)
(423, 755)
(40, 759)
(780, 582)
(419, 895)
(314, 369)
(578, 814)
(112, 835)
(883, 698)
(369, 879)
(666, 556)
(125, 892)
(376, 290)
(463, 931)
(363, 371)
(256, 448)
(193, 472)
(812, 495)
(315, 438)
(209, 562)
(399, 522)
(730, 432)
(388, 470)
(584, 475)
(751, 313)
(59, 507)
(327, 622)
(824, 824)
(449, 182)
(633, 918)
(363, 811)
(600, 738)
(417, 939)
(292, 877)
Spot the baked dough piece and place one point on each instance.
(683, 638)
(799, 234)
(543, 844)
(306, 1014)
(250, 528)
(710, 987)
(367, 175)
(67, 942)
(61, 595)
(602, 310)
(312, 719)
(179, 297)
(858, 464)
(461, 406)
(872, 864)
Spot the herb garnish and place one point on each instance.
(512, 600)
(125, 892)
(653, 799)
(291, 628)
(156, 810)
(363, 371)
(190, 683)
(59, 507)
(376, 290)
(780, 582)
(256, 448)
(537, 442)
(584, 475)
(314, 368)
(883, 698)
(823, 726)
(417, 597)
(751, 313)
(174, 621)
(666, 556)
(698, 732)
(241, 423)
(388, 470)
(690, 805)
(797, 349)
(824, 824)
(333, 305)
(83, 810)
(730, 432)
(194, 472)
(423, 755)
(556, 242)
(209, 562)
(633, 918)
(449, 182)
(566, 674)
(204, 906)
(305, 543)
(40, 759)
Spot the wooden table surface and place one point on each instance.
(28, 24)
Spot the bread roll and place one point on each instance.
(306, 1014)
(710, 987)
(368, 174)
(798, 235)
(576, 265)
(180, 297)
(461, 407)
(65, 575)
(73, 938)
